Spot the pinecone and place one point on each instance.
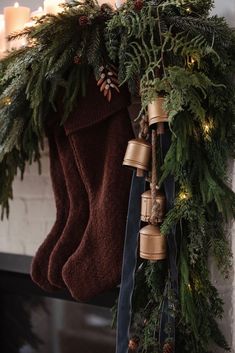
(133, 343)
(77, 60)
(106, 8)
(83, 20)
(138, 4)
(108, 81)
(168, 348)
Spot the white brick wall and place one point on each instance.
(32, 211)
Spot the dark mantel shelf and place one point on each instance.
(15, 279)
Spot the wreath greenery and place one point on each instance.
(170, 47)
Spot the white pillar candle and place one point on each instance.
(112, 3)
(52, 6)
(119, 3)
(38, 13)
(15, 19)
(2, 35)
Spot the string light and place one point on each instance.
(207, 127)
(188, 10)
(183, 195)
(5, 101)
(191, 61)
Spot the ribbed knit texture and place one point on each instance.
(84, 248)
(99, 151)
(40, 264)
(78, 213)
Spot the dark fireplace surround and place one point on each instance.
(15, 283)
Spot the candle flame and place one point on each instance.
(16, 4)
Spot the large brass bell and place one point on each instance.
(153, 245)
(138, 154)
(146, 206)
(156, 112)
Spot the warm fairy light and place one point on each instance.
(189, 287)
(8, 101)
(183, 195)
(191, 61)
(5, 101)
(40, 9)
(16, 5)
(207, 127)
(188, 10)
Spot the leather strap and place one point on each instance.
(129, 264)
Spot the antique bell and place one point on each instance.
(153, 245)
(156, 112)
(146, 206)
(138, 154)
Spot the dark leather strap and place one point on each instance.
(129, 264)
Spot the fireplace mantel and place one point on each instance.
(15, 279)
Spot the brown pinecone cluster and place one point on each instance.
(83, 20)
(133, 344)
(77, 60)
(138, 4)
(108, 81)
(168, 348)
(106, 8)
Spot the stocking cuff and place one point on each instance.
(94, 107)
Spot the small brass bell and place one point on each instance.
(146, 206)
(153, 245)
(138, 154)
(156, 112)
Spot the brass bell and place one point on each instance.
(146, 206)
(153, 245)
(156, 112)
(138, 154)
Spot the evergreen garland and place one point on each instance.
(170, 47)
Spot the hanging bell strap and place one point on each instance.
(143, 134)
(144, 128)
(155, 206)
(129, 264)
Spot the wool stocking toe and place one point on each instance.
(78, 214)
(39, 267)
(99, 150)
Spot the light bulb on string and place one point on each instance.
(191, 61)
(207, 128)
(5, 101)
(184, 195)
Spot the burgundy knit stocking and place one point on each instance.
(39, 268)
(78, 214)
(99, 150)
